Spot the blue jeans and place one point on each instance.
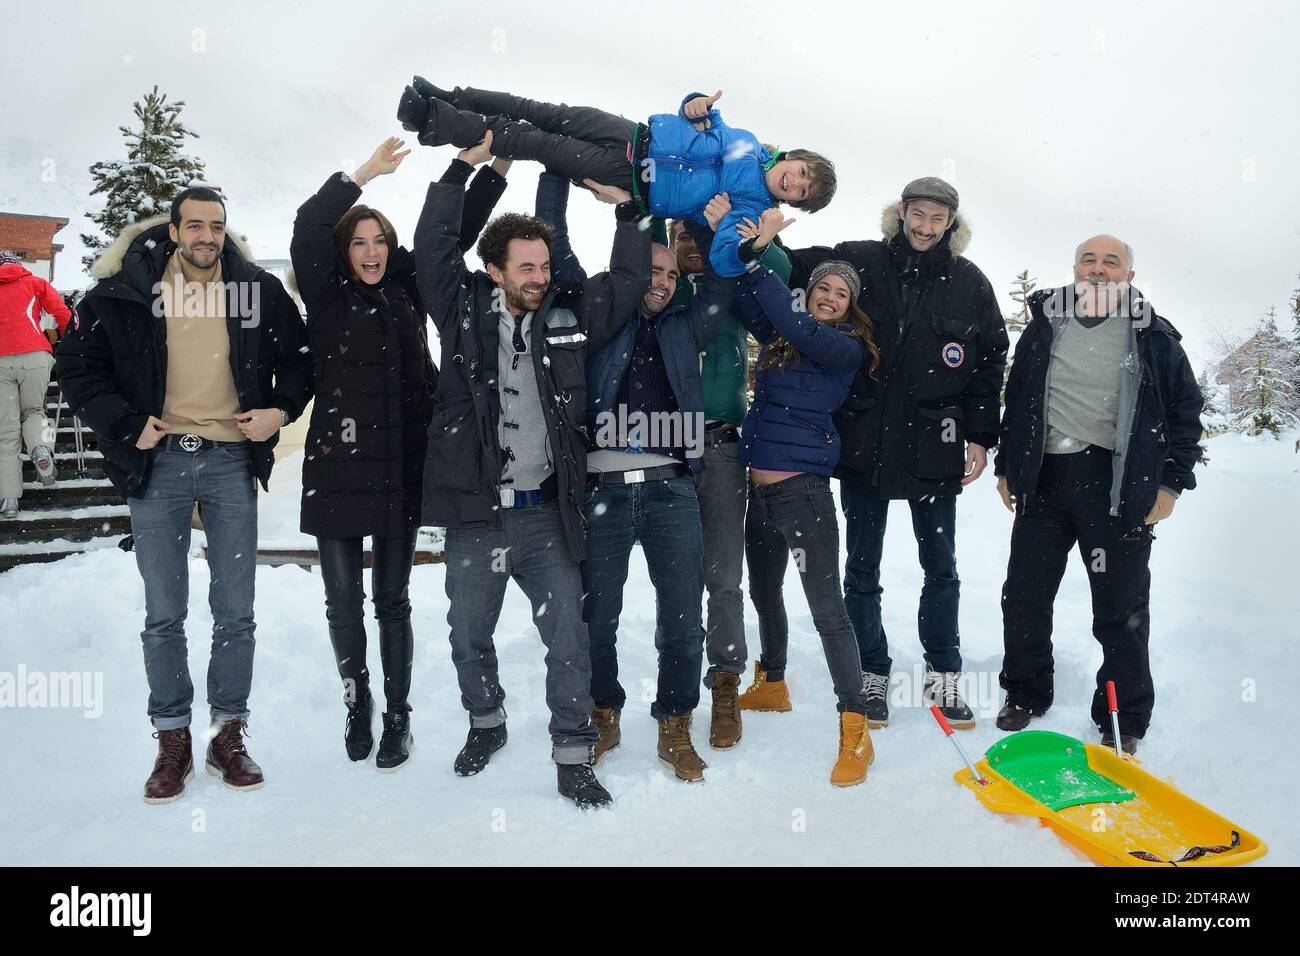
(529, 549)
(665, 517)
(933, 523)
(220, 481)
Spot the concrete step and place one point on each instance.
(75, 524)
(69, 494)
(65, 464)
(43, 552)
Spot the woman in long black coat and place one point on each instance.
(363, 467)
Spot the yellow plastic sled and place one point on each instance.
(1107, 807)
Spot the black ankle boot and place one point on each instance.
(396, 743)
(447, 125)
(431, 92)
(1013, 717)
(412, 110)
(358, 737)
(480, 745)
(577, 782)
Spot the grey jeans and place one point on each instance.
(220, 481)
(722, 492)
(796, 518)
(530, 549)
(24, 379)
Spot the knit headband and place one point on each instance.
(840, 268)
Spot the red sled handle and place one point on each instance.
(943, 721)
(1110, 697)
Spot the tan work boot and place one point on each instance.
(724, 726)
(606, 721)
(856, 752)
(676, 749)
(764, 694)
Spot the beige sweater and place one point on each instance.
(201, 397)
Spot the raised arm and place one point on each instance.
(610, 298)
(311, 250)
(698, 109)
(552, 206)
(439, 262)
(819, 341)
(485, 191)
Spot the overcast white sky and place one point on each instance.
(1171, 125)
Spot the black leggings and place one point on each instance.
(577, 142)
(340, 565)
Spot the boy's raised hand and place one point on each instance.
(387, 156)
(610, 194)
(477, 154)
(717, 210)
(697, 110)
(769, 224)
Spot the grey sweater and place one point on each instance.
(521, 429)
(1083, 394)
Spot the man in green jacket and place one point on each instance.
(722, 489)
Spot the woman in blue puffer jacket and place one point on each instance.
(675, 164)
(811, 353)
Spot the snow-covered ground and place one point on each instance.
(1224, 647)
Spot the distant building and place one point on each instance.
(1233, 372)
(31, 240)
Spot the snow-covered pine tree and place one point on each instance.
(1294, 342)
(1214, 417)
(1267, 402)
(1020, 289)
(155, 170)
(1016, 322)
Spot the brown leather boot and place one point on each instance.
(606, 721)
(228, 759)
(724, 726)
(173, 768)
(676, 749)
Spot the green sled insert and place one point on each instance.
(1053, 769)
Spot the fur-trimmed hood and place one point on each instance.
(110, 260)
(958, 233)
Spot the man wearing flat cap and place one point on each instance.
(919, 428)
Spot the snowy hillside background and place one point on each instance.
(1224, 612)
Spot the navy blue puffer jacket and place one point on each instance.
(789, 426)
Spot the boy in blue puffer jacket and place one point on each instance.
(676, 163)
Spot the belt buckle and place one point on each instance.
(507, 496)
(190, 442)
(634, 477)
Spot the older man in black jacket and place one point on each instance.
(1101, 432)
(186, 359)
(919, 428)
(506, 467)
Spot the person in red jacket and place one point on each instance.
(26, 359)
